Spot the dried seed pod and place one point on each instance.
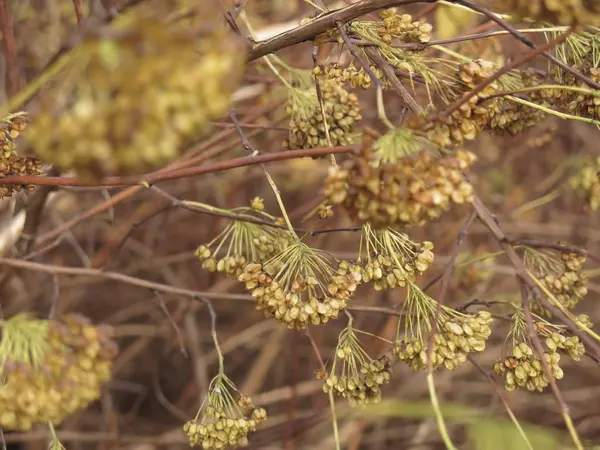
(220, 422)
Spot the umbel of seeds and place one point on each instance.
(307, 128)
(76, 362)
(11, 163)
(301, 286)
(134, 99)
(413, 191)
(220, 422)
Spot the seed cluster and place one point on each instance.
(471, 117)
(363, 387)
(357, 77)
(354, 375)
(10, 162)
(75, 366)
(242, 242)
(512, 117)
(522, 369)
(307, 128)
(415, 190)
(300, 286)
(563, 277)
(221, 423)
(137, 98)
(403, 28)
(458, 335)
(391, 259)
(586, 185)
(562, 12)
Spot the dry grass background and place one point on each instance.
(156, 387)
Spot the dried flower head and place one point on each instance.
(391, 259)
(242, 243)
(416, 189)
(354, 375)
(457, 334)
(222, 422)
(522, 368)
(301, 285)
(307, 128)
(562, 274)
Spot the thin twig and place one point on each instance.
(164, 308)
(397, 85)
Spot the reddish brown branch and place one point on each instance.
(78, 11)
(178, 173)
(9, 48)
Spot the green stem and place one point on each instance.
(438, 413)
(552, 111)
(336, 433)
(537, 202)
(572, 430)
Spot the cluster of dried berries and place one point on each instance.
(558, 12)
(414, 191)
(403, 28)
(301, 286)
(221, 423)
(241, 243)
(360, 377)
(523, 368)
(457, 334)
(391, 259)
(307, 128)
(563, 277)
(136, 99)
(586, 184)
(465, 123)
(76, 364)
(10, 162)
